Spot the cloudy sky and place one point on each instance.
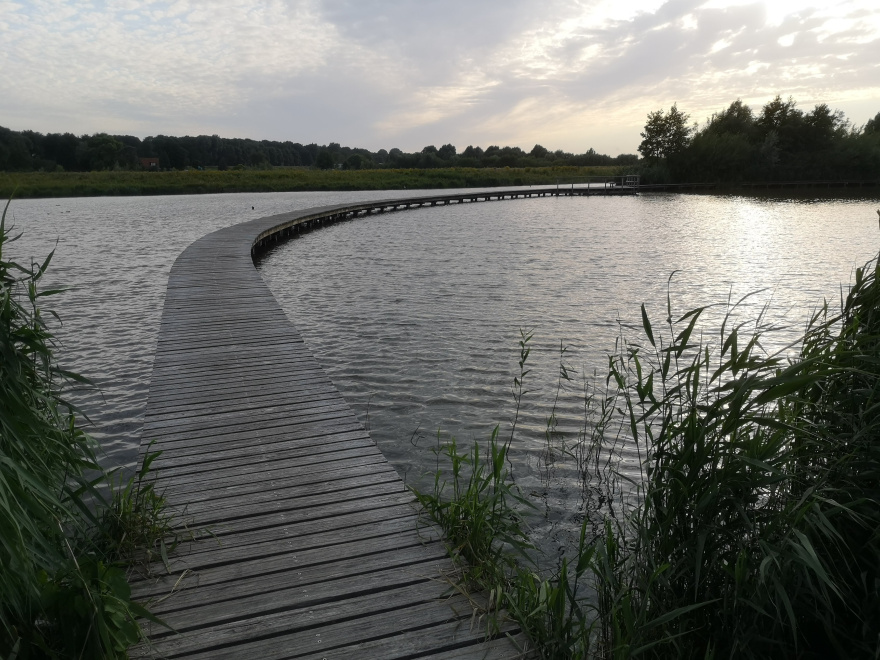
(568, 74)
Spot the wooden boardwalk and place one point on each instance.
(315, 549)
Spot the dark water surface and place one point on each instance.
(114, 254)
(416, 315)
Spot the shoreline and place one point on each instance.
(48, 185)
(189, 182)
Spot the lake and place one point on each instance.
(417, 315)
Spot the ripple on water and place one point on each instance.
(416, 315)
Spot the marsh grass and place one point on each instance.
(63, 592)
(135, 527)
(754, 528)
(88, 184)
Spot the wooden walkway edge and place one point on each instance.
(314, 547)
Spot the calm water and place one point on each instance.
(416, 315)
(114, 254)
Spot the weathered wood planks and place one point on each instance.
(305, 542)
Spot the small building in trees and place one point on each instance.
(150, 163)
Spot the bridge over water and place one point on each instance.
(313, 546)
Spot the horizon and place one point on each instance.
(382, 75)
(459, 148)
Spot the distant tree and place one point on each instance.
(324, 160)
(429, 159)
(725, 149)
(666, 134)
(15, 150)
(873, 125)
(395, 157)
(446, 152)
(309, 154)
(778, 113)
(538, 152)
(353, 162)
(172, 154)
(62, 149)
(430, 149)
(783, 119)
(256, 158)
(473, 152)
(103, 151)
(737, 119)
(822, 127)
(128, 158)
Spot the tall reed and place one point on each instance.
(754, 529)
(63, 592)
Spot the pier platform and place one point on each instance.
(303, 541)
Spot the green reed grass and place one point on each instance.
(754, 530)
(63, 592)
(89, 184)
(136, 528)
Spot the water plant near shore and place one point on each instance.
(64, 591)
(754, 530)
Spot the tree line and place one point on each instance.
(778, 143)
(31, 151)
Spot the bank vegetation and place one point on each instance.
(71, 533)
(753, 528)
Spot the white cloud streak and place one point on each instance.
(382, 73)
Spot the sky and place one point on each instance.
(566, 74)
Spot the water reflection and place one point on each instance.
(115, 254)
(417, 315)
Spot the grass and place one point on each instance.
(754, 528)
(64, 548)
(88, 184)
(136, 528)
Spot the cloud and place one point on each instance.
(569, 74)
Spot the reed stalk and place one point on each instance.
(63, 590)
(754, 528)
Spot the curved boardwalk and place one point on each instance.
(314, 547)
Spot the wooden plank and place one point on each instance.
(350, 519)
(199, 577)
(315, 627)
(424, 560)
(304, 540)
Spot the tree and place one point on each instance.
(473, 152)
(446, 152)
(737, 119)
(786, 121)
(822, 127)
(538, 152)
(873, 125)
(666, 134)
(353, 162)
(324, 160)
(102, 151)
